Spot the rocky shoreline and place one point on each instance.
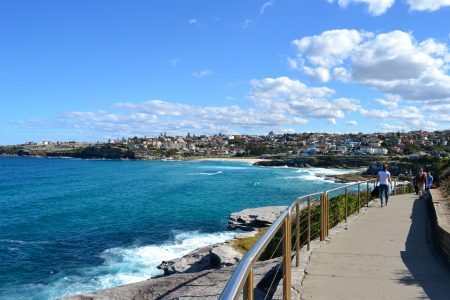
(214, 263)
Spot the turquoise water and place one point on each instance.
(70, 225)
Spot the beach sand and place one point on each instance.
(240, 159)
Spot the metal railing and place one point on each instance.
(320, 214)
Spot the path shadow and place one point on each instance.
(421, 256)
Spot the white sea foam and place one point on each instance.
(208, 174)
(324, 171)
(309, 177)
(128, 265)
(23, 242)
(318, 174)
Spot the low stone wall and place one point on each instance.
(440, 213)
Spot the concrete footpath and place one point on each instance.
(386, 254)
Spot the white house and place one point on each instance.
(374, 150)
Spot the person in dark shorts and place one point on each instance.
(384, 178)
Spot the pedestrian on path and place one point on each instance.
(416, 184)
(384, 178)
(429, 182)
(422, 181)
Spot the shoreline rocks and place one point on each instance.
(251, 218)
(186, 275)
(210, 257)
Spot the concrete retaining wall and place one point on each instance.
(440, 213)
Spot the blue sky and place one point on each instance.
(93, 70)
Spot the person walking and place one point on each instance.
(416, 184)
(384, 178)
(422, 181)
(429, 182)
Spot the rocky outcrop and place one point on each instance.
(251, 218)
(195, 261)
(224, 255)
(206, 284)
(215, 256)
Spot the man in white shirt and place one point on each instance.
(384, 178)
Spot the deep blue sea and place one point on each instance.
(69, 225)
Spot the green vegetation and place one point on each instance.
(244, 244)
(442, 176)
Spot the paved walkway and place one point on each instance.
(386, 254)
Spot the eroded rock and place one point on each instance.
(224, 255)
(251, 218)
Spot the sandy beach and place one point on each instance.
(243, 159)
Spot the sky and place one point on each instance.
(97, 70)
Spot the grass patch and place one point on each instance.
(244, 244)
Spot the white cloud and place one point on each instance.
(351, 123)
(332, 121)
(407, 118)
(427, 5)
(391, 127)
(292, 63)
(203, 73)
(390, 103)
(408, 113)
(379, 7)
(265, 6)
(283, 94)
(330, 48)
(320, 74)
(248, 23)
(195, 22)
(375, 7)
(275, 104)
(394, 63)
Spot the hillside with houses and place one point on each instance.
(414, 144)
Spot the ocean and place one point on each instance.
(69, 225)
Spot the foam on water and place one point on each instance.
(318, 174)
(208, 174)
(127, 265)
(324, 171)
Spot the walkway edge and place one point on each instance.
(440, 216)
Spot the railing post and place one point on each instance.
(248, 287)
(287, 258)
(359, 197)
(367, 194)
(322, 218)
(309, 223)
(346, 205)
(297, 235)
(395, 187)
(327, 214)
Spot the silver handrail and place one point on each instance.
(241, 274)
